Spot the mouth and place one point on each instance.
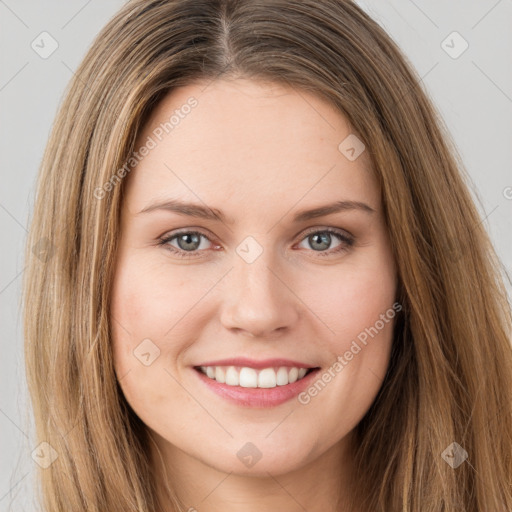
(247, 377)
(255, 388)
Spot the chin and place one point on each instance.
(258, 459)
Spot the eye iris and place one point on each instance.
(326, 238)
(190, 241)
(186, 238)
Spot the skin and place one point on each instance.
(260, 152)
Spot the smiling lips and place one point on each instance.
(247, 377)
(248, 373)
(255, 396)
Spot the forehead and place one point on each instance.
(241, 140)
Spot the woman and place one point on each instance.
(256, 370)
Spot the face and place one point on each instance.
(254, 287)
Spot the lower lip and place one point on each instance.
(258, 397)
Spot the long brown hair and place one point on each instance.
(450, 376)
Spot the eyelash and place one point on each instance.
(347, 240)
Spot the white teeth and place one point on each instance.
(282, 376)
(232, 376)
(251, 378)
(267, 378)
(248, 378)
(220, 374)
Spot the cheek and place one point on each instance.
(145, 305)
(357, 304)
(140, 311)
(147, 299)
(360, 311)
(153, 313)
(351, 299)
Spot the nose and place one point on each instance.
(259, 299)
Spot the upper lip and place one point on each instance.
(257, 365)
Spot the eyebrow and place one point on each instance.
(205, 212)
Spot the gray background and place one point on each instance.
(472, 92)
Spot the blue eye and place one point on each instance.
(189, 242)
(324, 237)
